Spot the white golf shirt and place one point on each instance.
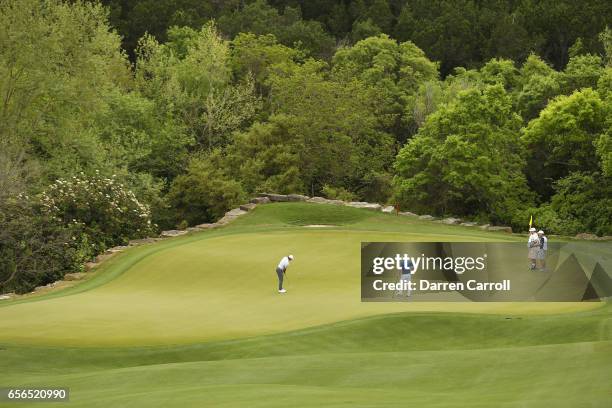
(284, 263)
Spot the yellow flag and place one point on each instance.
(530, 221)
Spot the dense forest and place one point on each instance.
(121, 118)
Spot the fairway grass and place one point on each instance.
(196, 321)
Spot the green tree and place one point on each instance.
(604, 151)
(134, 18)
(539, 84)
(557, 24)
(308, 36)
(258, 17)
(204, 192)
(405, 26)
(502, 33)
(500, 71)
(363, 29)
(466, 160)
(197, 89)
(338, 20)
(16, 172)
(392, 72)
(337, 124)
(604, 85)
(606, 40)
(259, 55)
(381, 15)
(267, 157)
(321, 133)
(54, 82)
(582, 71)
(562, 139)
(582, 203)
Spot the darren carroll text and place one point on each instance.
(426, 285)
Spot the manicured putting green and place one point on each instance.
(213, 287)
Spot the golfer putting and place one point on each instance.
(280, 271)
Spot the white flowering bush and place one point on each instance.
(102, 208)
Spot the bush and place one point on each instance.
(204, 193)
(582, 203)
(338, 193)
(35, 249)
(106, 212)
(544, 217)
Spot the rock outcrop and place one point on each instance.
(297, 197)
(322, 200)
(279, 198)
(136, 242)
(260, 200)
(231, 215)
(364, 205)
(388, 209)
(206, 226)
(450, 221)
(247, 207)
(173, 233)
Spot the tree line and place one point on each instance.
(456, 33)
(100, 143)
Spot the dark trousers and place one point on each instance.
(280, 274)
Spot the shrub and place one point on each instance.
(582, 203)
(544, 217)
(338, 193)
(204, 193)
(106, 212)
(35, 248)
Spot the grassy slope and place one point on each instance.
(430, 359)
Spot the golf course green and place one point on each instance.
(197, 321)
